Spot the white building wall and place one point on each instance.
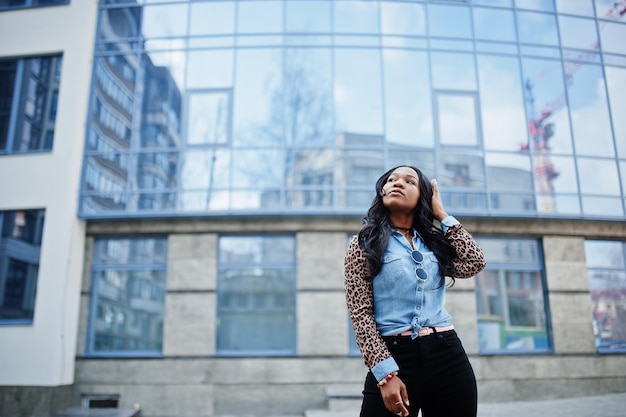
(42, 354)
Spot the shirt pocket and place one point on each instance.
(434, 274)
(392, 268)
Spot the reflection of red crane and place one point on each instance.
(540, 131)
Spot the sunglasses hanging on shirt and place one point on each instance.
(418, 258)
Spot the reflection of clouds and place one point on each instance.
(584, 8)
(164, 21)
(537, 28)
(613, 36)
(453, 71)
(402, 18)
(503, 117)
(577, 33)
(172, 59)
(457, 120)
(598, 176)
(408, 109)
(356, 17)
(616, 82)
(592, 127)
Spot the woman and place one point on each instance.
(395, 273)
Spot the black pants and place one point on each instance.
(436, 371)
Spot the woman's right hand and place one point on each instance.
(395, 396)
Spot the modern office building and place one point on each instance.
(179, 180)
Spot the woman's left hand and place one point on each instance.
(436, 203)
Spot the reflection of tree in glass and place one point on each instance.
(299, 121)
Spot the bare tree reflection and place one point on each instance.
(297, 135)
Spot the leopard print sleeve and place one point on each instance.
(360, 300)
(469, 259)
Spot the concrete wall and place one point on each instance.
(191, 381)
(42, 354)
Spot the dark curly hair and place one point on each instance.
(377, 228)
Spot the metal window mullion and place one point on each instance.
(15, 102)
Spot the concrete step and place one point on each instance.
(344, 398)
(326, 413)
(99, 412)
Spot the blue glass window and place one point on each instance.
(606, 268)
(256, 295)
(28, 98)
(511, 298)
(24, 4)
(20, 248)
(127, 297)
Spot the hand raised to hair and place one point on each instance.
(437, 205)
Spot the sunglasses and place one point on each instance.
(418, 258)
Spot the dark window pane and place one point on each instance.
(128, 290)
(256, 295)
(28, 90)
(20, 246)
(510, 298)
(607, 284)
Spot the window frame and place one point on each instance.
(16, 113)
(287, 265)
(520, 266)
(26, 257)
(603, 348)
(97, 267)
(32, 4)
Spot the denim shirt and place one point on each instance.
(402, 301)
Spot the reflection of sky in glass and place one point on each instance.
(357, 91)
(257, 78)
(546, 79)
(163, 21)
(613, 37)
(590, 118)
(259, 16)
(456, 119)
(307, 16)
(497, 3)
(212, 18)
(210, 69)
(616, 83)
(538, 28)
(578, 33)
(356, 17)
(408, 113)
(494, 24)
(604, 8)
(503, 117)
(566, 181)
(598, 176)
(603, 254)
(174, 61)
(453, 71)
(402, 19)
(449, 20)
(578, 7)
(541, 5)
(208, 117)
(296, 97)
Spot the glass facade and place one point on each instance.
(247, 107)
(606, 266)
(23, 4)
(20, 249)
(127, 297)
(29, 90)
(256, 295)
(511, 300)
